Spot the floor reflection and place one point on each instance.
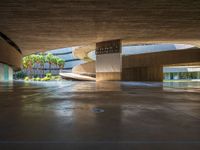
(108, 86)
(132, 111)
(181, 86)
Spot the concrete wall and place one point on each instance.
(108, 60)
(108, 67)
(10, 74)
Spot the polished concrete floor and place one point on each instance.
(103, 115)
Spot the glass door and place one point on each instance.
(6, 72)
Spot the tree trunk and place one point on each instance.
(40, 71)
(50, 68)
(43, 71)
(30, 69)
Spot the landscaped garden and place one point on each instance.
(34, 67)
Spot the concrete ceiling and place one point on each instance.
(40, 25)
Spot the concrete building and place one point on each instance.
(64, 53)
(35, 26)
(113, 115)
(136, 62)
(71, 61)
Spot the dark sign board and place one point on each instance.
(108, 47)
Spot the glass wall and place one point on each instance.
(181, 75)
(6, 72)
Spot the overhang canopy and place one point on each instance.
(40, 25)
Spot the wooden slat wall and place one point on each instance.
(148, 67)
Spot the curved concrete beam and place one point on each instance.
(86, 68)
(9, 55)
(82, 52)
(40, 26)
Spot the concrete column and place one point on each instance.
(10, 73)
(198, 75)
(108, 60)
(1, 72)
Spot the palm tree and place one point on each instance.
(55, 60)
(42, 62)
(25, 64)
(34, 60)
(37, 62)
(49, 59)
(28, 62)
(60, 63)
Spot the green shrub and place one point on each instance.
(35, 76)
(38, 79)
(48, 75)
(34, 79)
(26, 78)
(53, 78)
(58, 78)
(45, 79)
(20, 75)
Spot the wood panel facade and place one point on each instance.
(149, 66)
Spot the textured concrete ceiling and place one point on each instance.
(40, 25)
